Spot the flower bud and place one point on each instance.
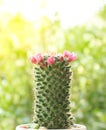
(33, 59)
(39, 57)
(51, 60)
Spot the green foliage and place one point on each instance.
(15, 89)
(18, 38)
(102, 13)
(89, 89)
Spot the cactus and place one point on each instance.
(52, 84)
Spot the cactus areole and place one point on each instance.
(52, 74)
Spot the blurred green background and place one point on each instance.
(19, 38)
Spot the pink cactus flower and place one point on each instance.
(72, 57)
(39, 57)
(67, 54)
(33, 59)
(61, 58)
(51, 60)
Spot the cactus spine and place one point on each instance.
(52, 84)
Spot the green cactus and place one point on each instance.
(52, 97)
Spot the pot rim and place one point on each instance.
(74, 127)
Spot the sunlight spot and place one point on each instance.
(70, 12)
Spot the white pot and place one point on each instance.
(26, 127)
(78, 127)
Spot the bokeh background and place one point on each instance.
(29, 26)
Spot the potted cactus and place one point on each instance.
(52, 108)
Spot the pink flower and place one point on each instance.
(72, 57)
(61, 58)
(67, 54)
(51, 60)
(39, 57)
(33, 59)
